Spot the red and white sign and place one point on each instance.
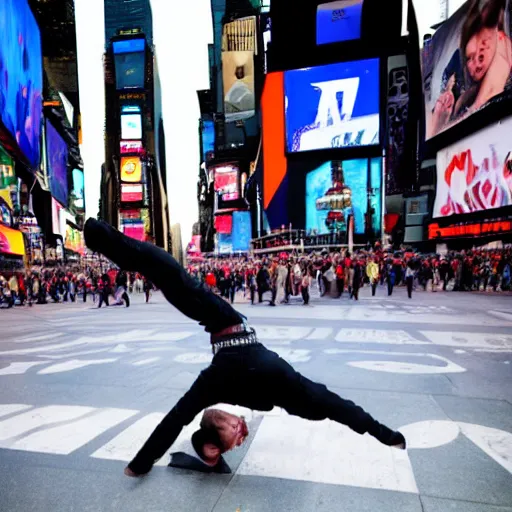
(132, 147)
(131, 193)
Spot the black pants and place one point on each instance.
(126, 299)
(390, 288)
(305, 295)
(409, 281)
(250, 376)
(374, 287)
(104, 298)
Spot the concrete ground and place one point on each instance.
(81, 388)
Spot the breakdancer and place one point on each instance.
(243, 372)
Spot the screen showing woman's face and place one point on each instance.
(480, 52)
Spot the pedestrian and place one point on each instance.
(409, 278)
(372, 271)
(243, 371)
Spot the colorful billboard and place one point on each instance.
(339, 189)
(332, 106)
(338, 21)
(78, 189)
(131, 169)
(226, 182)
(131, 147)
(74, 240)
(57, 151)
(131, 126)
(131, 193)
(21, 77)
(11, 241)
(208, 139)
(475, 174)
(467, 64)
(242, 231)
(238, 80)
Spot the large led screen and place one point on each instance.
(131, 147)
(78, 188)
(130, 70)
(21, 77)
(238, 81)
(131, 126)
(467, 64)
(332, 106)
(338, 21)
(475, 174)
(226, 182)
(337, 190)
(208, 139)
(57, 151)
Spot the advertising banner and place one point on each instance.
(339, 189)
(242, 231)
(208, 140)
(21, 77)
(133, 147)
(223, 224)
(238, 80)
(226, 182)
(131, 126)
(467, 64)
(74, 240)
(475, 174)
(57, 151)
(338, 21)
(240, 35)
(332, 106)
(11, 241)
(131, 169)
(78, 189)
(130, 62)
(131, 193)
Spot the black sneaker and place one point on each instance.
(387, 436)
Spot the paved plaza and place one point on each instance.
(81, 388)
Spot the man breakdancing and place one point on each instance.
(243, 372)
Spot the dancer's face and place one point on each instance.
(232, 429)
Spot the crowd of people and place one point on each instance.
(41, 285)
(277, 279)
(343, 274)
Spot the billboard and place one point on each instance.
(131, 126)
(223, 224)
(208, 139)
(11, 241)
(21, 77)
(78, 189)
(242, 231)
(226, 182)
(238, 81)
(240, 35)
(131, 193)
(338, 189)
(131, 169)
(338, 21)
(467, 64)
(131, 147)
(74, 239)
(130, 70)
(332, 106)
(57, 151)
(475, 174)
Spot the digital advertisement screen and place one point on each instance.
(338, 189)
(208, 136)
(130, 70)
(131, 147)
(226, 182)
(338, 21)
(57, 151)
(467, 64)
(332, 106)
(223, 224)
(78, 188)
(128, 46)
(242, 231)
(21, 77)
(74, 239)
(131, 126)
(131, 169)
(11, 241)
(238, 81)
(475, 174)
(224, 244)
(131, 193)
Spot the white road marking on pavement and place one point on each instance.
(378, 336)
(430, 434)
(19, 368)
(501, 314)
(46, 348)
(159, 349)
(459, 351)
(74, 354)
(42, 416)
(292, 355)
(398, 366)
(469, 339)
(146, 361)
(42, 337)
(73, 364)
(6, 409)
(194, 358)
(325, 452)
(65, 439)
(125, 445)
(495, 443)
(168, 336)
(320, 333)
(121, 349)
(272, 332)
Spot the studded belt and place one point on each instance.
(240, 340)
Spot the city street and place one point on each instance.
(81, 388)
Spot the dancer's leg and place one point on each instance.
(186, 294)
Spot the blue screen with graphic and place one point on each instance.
(21, 77)
(57, 151)
(208, 137)
(320, 187)
(332, 106)
(242, 231)
(338, 21)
